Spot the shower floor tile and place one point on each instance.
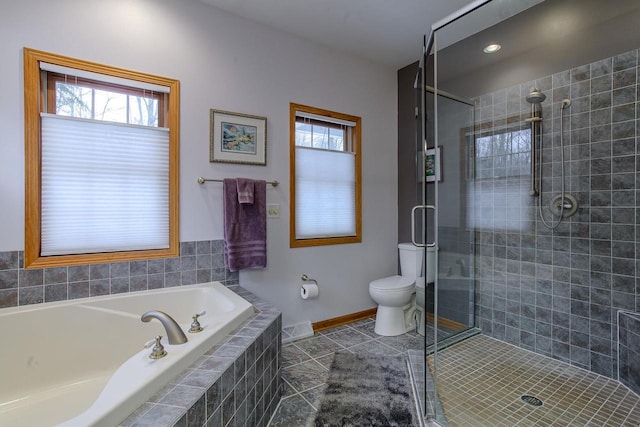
(481, 381)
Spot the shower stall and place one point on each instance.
(524, 176)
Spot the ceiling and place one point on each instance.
(550, 37)
(388, 32)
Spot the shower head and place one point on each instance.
(535, 96)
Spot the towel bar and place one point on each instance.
(202, 180)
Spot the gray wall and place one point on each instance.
(409, 193)
(556, 292)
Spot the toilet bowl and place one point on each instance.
(395, 295)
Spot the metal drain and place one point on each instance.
(531, 400)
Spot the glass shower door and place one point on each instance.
(453, 188)
(446, 159)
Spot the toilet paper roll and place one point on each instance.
(309, 291)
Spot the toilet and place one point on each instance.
(396, 295)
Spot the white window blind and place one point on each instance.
(104, 78)
(311, 116)
(325, 193)
(105, 186)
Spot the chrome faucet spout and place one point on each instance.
(175, 335)
(464, 272)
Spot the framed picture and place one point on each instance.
(238, 138)
(431, 161)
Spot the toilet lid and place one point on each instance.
(393, 283)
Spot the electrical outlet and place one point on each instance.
(273, 210)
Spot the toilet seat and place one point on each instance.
(393, 284)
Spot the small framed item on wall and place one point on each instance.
(238, 138)
(430, 165)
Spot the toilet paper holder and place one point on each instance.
(309, 288)
(306, 278)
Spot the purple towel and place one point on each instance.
(245, 227)
(245, 190)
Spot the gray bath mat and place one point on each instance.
(364, 390)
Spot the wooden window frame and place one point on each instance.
(34, 104)
(356, 149)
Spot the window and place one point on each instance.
(82, 98)
(504, 153)
(101, 148)
(325, 175)
(503, 178)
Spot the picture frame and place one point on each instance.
(237, 138)
(430, 165)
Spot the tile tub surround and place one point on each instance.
(199, 262)
(556, 292)
(236, 383)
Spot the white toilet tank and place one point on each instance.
(411, 261)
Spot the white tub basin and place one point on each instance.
(82, 362)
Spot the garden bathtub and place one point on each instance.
(82, 362)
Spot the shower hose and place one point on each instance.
(551, 224)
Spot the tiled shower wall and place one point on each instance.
(199, 262)
(557, 292)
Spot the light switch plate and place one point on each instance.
(273, 210)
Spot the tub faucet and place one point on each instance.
(463, 268)
(174, 332)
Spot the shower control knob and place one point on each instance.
(564, 208)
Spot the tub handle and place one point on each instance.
(195, 325)
(158, 351)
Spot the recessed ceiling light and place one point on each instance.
(492, 48)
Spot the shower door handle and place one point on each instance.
(413, 226)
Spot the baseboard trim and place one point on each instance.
(343, 320)
(447, 323)
(371, 312)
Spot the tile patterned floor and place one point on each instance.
(306, 363)
(482, 379)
